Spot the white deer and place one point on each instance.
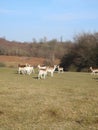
(94, 71)
(41, 67)
(51, 70)
(42, 73)
(26, 70)
(60, 69)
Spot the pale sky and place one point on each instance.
(23, 20)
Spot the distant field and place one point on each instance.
(13, 61)
(67, 101)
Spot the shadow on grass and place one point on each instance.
(96, 79)
(35, 77)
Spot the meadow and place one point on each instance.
(66, 101)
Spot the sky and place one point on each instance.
(25, 20)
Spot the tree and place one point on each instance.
(83, 54)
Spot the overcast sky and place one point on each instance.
(23, 20)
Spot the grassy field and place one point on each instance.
(67, 101)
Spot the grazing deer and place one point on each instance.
(25, 69)
(94, 71)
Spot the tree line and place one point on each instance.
(82, 54)
(50, 50)
(76, 55)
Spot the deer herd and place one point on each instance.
(43, 71)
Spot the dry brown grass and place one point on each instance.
(13, 61)
(68, 101)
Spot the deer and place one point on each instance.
(51, 70)
(60, 69)
(94, 71)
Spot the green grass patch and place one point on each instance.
(2, 64)
(67, 101)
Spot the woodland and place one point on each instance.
(74, 55)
